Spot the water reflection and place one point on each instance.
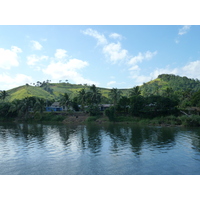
(93, 149)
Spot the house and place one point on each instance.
(55, 107)
(103, 107)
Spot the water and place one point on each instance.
(98, 149)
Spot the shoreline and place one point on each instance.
(84, 118)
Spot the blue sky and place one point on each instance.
(111, 56)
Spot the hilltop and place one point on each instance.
(176, 83)
(49, 90)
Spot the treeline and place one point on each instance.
(156, 103)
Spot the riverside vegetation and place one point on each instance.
(167, 100)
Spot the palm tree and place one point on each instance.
(3, 95)
(94, 95)
(65, 101)
(82, 98)
(39, 105)
(135, 91)
(115, 95)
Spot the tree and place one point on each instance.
(82, 98)
(123, 103)
(39, 105)
(136, 105)
(168, 92)
(94, 95)
(3, 95)
(111, 113)
(24, 106)
(135, 91)
(65, 100)
(115, 95)
(93, 98)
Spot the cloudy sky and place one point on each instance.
(116, 56)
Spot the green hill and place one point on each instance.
(28, 91)
(48, 90)
(164, 81)
(52, 91)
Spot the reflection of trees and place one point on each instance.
(119, 136)
(94, 137)
(136, 139)
(26, 131)
(69, 132)
(32, 131)
(195, 139)
(160, 137)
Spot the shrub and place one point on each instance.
(91, 119)
(111, 114)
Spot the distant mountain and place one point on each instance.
(48, 90)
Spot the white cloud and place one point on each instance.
(100, 38)
(36, 45)
(16, 49)
(184, 30)
(67, 69)
(115, 36)
(166, 70)
(140, 79)
(111, 83)
(9, 82)
(136, 59)
(9, 58)
(34, 59)
(114, 52)
(60, 53)
(192, 69)
(142, 56)
(135, 67)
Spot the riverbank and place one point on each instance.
(83, 118)
(183, 120)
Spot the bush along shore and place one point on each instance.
(105, 117)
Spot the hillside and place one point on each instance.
(48, 90)
(164, 81)
(52, 91)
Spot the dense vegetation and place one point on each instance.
(168, 98)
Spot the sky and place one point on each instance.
(110, 56)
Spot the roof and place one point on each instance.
(55, 104)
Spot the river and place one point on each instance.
(113, 149)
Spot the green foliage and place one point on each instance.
(92, 118)
(135, 91)
(195, 99)
(123, 104)
(3, 95)
(5, 110)
(136, 105)
(115, 95)
(93, 110)
(74, 104)
(169, 82)
(192, 120)
(111, 113)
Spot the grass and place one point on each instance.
(58, 88)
